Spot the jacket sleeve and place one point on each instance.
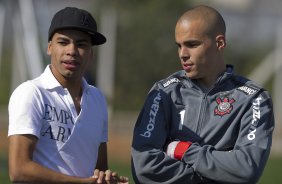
(246, 162)
(150, 164)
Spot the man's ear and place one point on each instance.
(49, 48)
(220, 42)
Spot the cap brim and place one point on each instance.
(97, 38)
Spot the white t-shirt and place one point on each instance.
(67, 142)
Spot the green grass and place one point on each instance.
(123, 169)
(272, 172)
(4, 177)
(271, 175)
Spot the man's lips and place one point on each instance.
(70, 65)
(187, 67)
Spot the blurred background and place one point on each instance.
(140, 50)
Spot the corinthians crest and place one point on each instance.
(224, 106)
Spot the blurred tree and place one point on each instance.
(5, 77)
(146, 50)
(245, 61)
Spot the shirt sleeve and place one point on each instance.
(150, 164)
(24, 111)
(246, 162)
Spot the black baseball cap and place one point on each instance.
(77, 19)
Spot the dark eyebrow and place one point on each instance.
(62, 38)
(82, 40)
(190, 42)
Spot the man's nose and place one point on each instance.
(184, 53)
(71, 49)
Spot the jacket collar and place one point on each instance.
(221, 78)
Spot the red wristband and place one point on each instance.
(180, 149)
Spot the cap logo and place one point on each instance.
(85, 21)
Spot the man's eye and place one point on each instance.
(62, 43)
(81, 45)
(193, 44)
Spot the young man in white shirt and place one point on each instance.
(58, 123)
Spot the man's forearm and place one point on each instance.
(32, 172)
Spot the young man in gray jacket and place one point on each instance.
(203, 124)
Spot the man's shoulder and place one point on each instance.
(247, 86)
(171, 81)
(94, 92)
(26, 86)
(91, 89)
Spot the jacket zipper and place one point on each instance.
(202, 113)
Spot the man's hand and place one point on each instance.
(109, 177)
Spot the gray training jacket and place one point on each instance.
(230, 126)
